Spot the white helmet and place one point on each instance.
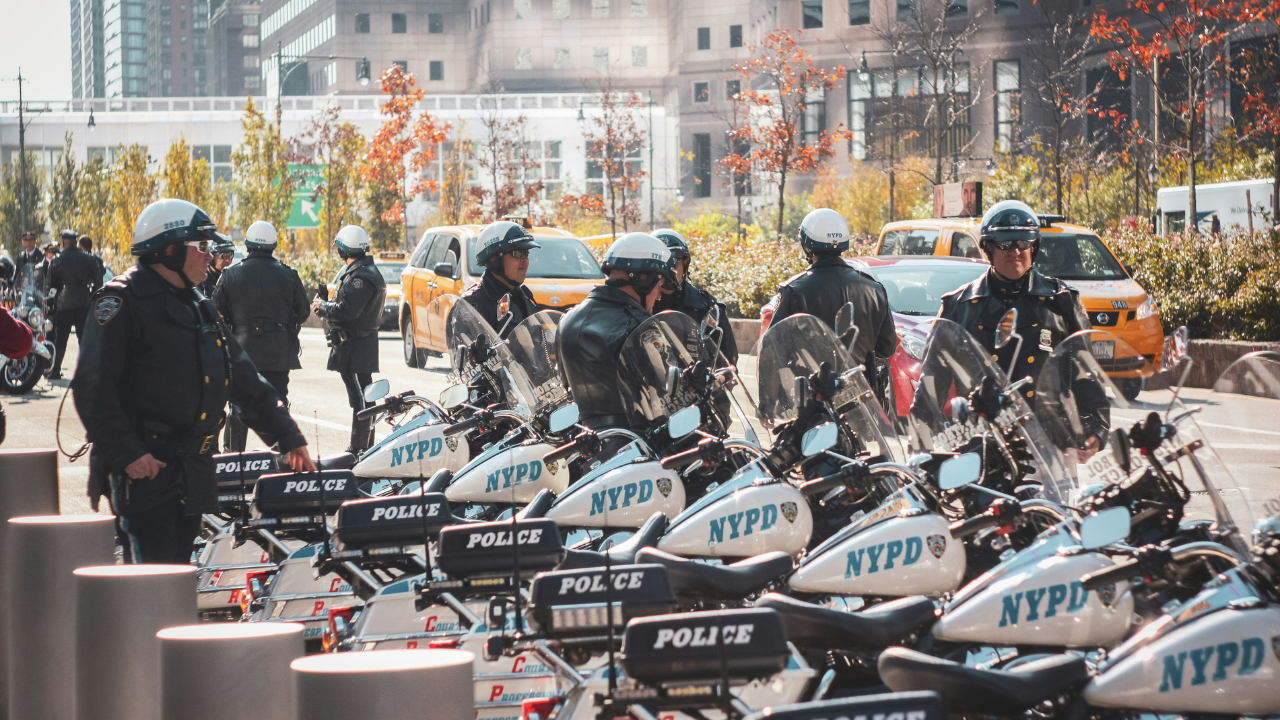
(352, 239)
(824, 230)
(168, 221)
(261, 235)
(639, 252)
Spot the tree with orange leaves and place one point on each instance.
(613, 138)
(1179, 46)
(788, 79)
(1258, 70)
(402, 145)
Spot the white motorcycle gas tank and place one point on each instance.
(512, 475)
(416, 449)
(906, 555)
(1043, 604)
(622, 498)
(221, 571)
(1223, 663)
(298, 596)
(746, 521)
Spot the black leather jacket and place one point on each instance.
(156, 369)
(210, 282)
(588, 342)
(76, 275)
(354, 315)
(484, 297)
(825, 287)
(696, 303)
(264, 302)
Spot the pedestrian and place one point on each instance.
(86, 244)
(829, 283)
(354, 315)
(683, 296)
(223, 252)
(74, 276)
(156, 370)
(264, 302)
(504, 255)
(29, 255)
(592, 334)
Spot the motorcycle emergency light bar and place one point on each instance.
(573, 602)
(741, 645)
(483, 551)
(309, 493)
(379, 525)
(237, 473)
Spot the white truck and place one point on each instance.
(1231, 204)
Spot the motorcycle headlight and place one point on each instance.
(1147, 309)
(35, 318)
(48, 326)
(22, 312)
(913, 345)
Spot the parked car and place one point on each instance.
(391, 265)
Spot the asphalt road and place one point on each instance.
(1246, 432)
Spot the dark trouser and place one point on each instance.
(63, 321)
(361, 430)
(237, 434)
(163, 534)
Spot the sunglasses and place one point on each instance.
(519, 254)
(200, 245)
(1012, 244)
(225, 254)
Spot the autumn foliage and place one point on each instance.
(403, 144)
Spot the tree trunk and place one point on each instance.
(782, 195)
(1275, 186)
(1192, 221)
(1057, 168)
(938, 148)
(892, 183)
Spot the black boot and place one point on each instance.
(361, 435)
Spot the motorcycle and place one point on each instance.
(29, 305)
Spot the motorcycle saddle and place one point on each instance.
(719, 582)
(814, 626)
(624, 553)
(341, 461)
(994, 692)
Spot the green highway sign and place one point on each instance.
(306, 212)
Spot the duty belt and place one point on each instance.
(258, 326)
(196, 446)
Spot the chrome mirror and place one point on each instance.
(1104, 527)
(959, 471)
(453, 396)
(819, 438)
(1007, 328)
(683, 422)
(375, 391)
(563, 418)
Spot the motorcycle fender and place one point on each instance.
(221, 566)
(622, 498)
(1224, 663)
(898, 557)
(1043, 604)
(752, 520)
(414, 451)
(513, 475)
(295, 577)
(391, 612)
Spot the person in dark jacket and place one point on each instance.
(264, 302)
(592, 333)
(224, 251)
(86, 244)
(30, 254)
(830, 282)
(683, 296)
(503, 251)
(156, 370)
(353, 315)
(75, 277)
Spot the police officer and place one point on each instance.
(592, 333)
(223, 252)
(264, 302)
(156, 369)
(504, 254)
(830, 282)
(353, 315)
(1049, 310)
(86, 244)
(29, 255)
(681, 295)
(75, 276)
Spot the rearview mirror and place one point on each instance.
(504, 307)
(1104, 527)
(1120, 449)
(1007, 328)
(845, 329)
(443, 269)
(1175, 349)
(375, 391)
(960, 410)
(563, 418)
(453, 396)
(819, 438)
(683, 422)
(710, 322)
(959, 471)
(673, 377)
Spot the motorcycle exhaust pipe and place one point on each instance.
(41, 349)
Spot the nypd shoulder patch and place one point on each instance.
(357, 283)
(106, 308)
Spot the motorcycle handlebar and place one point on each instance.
(561, 452)
(974, 525)
(1111, 575)
(679, 461)
(464, 426)
(370, 411)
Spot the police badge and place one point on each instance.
(552, 466)
(106, 308)
(664, 486)
(452, 442)
(1046, 340)
(789, 511)
(1106, 595)
(937, 544)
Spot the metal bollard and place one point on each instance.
(386, 685)
(28, 486)
(119, 610)
(42, 553)
(228, 670)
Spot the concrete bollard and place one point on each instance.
(386, 685)
(119, 610)
(228, 670)
(42, 553)
(28, 486)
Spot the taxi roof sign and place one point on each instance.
(521, 220)
(391, 256)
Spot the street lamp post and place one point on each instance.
(362, 72)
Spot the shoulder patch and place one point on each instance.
(106, 308)
(357, 283)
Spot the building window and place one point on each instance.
(732, 88)
(1113, 96)
(399, 23)
(704, 38)
(860, 12)
(735, 36)
(859, 93)
(639, 56)
(1009, 7)
(812, 13)
(435, 23)
(562, 59)
(599, 8)
(435, 70)
(702, 165)
(251, 62)
(551, 167)
(906, 9)
(164, 10)
(362, 23)
(524, 9)
(167, 74)
(249, 20)
(486, 13)
(701, 92)
(1008, 103)
(165, 26)
(600, 58)
(815, 116)
(402, 64)
(639, 8)
(524, 58)
(956, 8)
(252, 82)
(559, 9)
(249, 40)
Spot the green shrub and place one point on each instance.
(742, 274)
(314, 267)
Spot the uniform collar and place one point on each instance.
(266, 254)
(1040, 285)
(144, 281)
(495, 288)
(829, 261)
(617, 297)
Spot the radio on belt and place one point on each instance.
(234, 471)
(388, 520)
(484, 549)
(301, 492)
(573, 602)
(688, 646)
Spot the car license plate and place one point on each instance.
(1104, 349)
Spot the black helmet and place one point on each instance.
(501, 237)
(674, 241)
(6, 268)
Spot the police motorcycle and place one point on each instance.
(1211, 649)
(28, 306)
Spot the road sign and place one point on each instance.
(306, 211)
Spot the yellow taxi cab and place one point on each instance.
(390, 264)
(1074, 254)
(561, 273)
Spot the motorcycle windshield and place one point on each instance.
(650, 362)
(533, 345)
(464, 328)
(796, 347)
(27, 285)
(955, 364)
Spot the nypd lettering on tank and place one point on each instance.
(623, 497)
(748, 521)
(903, 555)
(515, 474)
(416, 449)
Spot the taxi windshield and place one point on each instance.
(908, 242)
(390, 271)
(1072, 256)
(557, 257)
(917, 289)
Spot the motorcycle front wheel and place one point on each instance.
(19, 376)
